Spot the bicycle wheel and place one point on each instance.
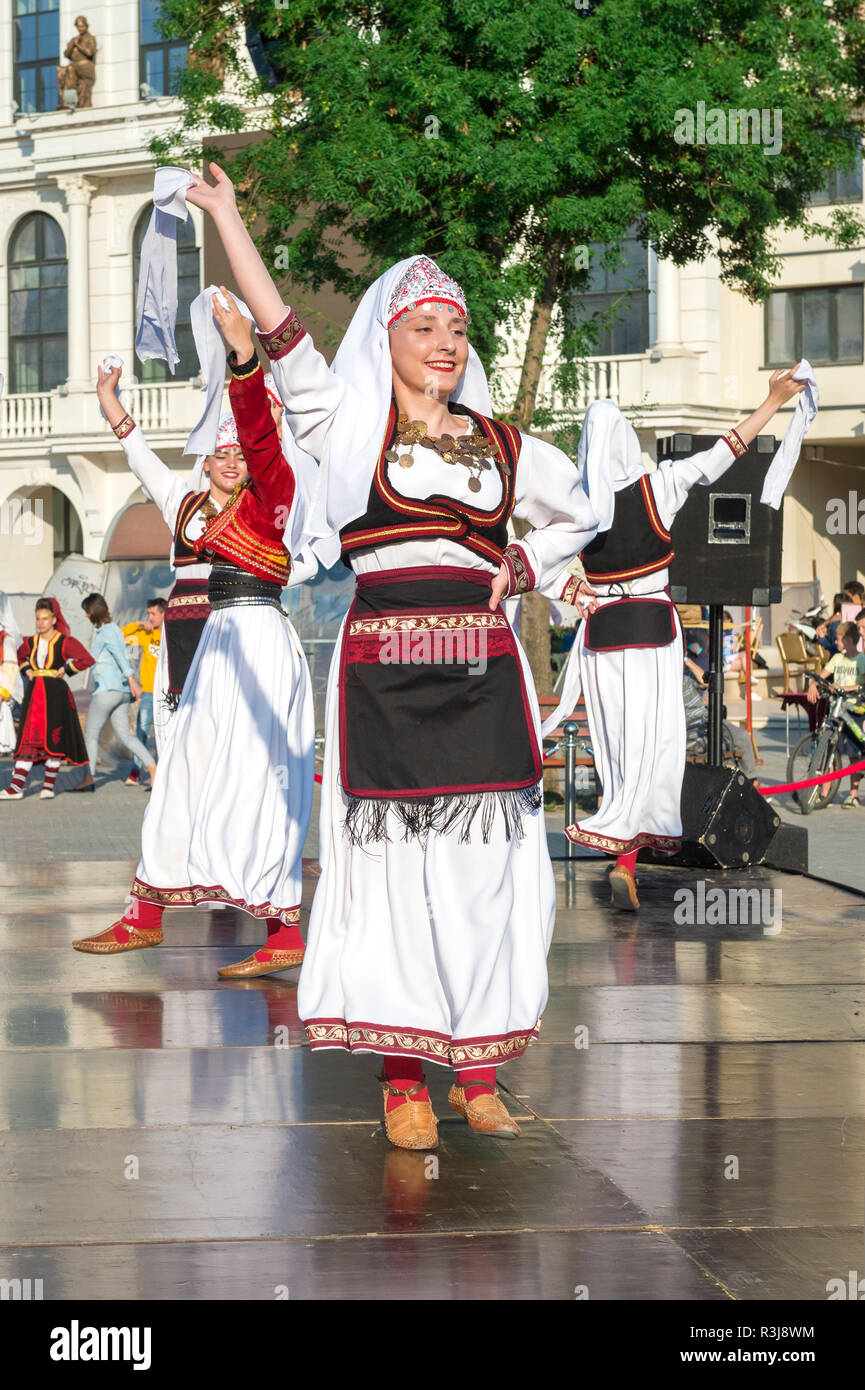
(814, 755)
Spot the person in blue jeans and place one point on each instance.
(114, 689)
(147, 636)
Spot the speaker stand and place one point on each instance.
(715, 749)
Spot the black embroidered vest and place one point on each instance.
(391, 517)
(636, 543)
(184, 554)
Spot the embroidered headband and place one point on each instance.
(424, 283)
(226, 433)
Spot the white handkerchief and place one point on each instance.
(112, 360)
(781, 468)
(156, 304)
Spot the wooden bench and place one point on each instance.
(548, 703)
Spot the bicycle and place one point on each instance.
(818, 753)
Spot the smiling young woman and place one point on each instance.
(434, 912)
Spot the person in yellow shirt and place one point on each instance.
(147, 635)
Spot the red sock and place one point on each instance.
(280, 938)
(469, 1079)
(143, 916)
(627, 861)
(404, 1072)
(19, 775)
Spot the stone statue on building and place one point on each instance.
(80, 71)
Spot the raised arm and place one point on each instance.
(310, 391)
(673, 479)
(166, 488)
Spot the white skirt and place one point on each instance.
(228, 816)
(435, 951)
(636, 719)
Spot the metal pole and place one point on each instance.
(714, 756)
(570, 731)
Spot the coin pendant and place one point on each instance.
(406, 461)
(391, 455)
(474, 484)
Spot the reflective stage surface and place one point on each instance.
(693, 1114)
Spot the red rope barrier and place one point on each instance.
(813, 781)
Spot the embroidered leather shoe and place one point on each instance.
(251, 967)
(485, 1114)
(623, 889)
(412, 1125)
(106, 943)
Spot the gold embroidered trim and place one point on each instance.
(570, 591)
(186, 601)
(284, 337)
(426, 622)
(664, 843)
(125, 427)
(360, 1038)
(189, 897)
(736, 443)
(521, 577)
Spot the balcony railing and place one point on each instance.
(28, 416)
(164, 405)
(616, 377)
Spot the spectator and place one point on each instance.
(860, 624)
(114, 688)
(735, 661)
(147, 635)
(697, 725)
(846, 669)
(835, 620)
(856, 591)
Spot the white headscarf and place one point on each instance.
(363, 362)
(8, 622)
(609, 458)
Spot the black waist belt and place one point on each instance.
(630, 622)
(230, 587)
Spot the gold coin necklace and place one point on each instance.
(470, 450)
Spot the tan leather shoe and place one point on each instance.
(485, 1114)
(106, 944)
(623, 889)
(413, 1125)
(250, 968)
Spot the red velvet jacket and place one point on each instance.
(249, 529)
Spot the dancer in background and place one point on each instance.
(11, 687)
(432, 919)
(628, 656)
(50, 730)
(114, 690)
(230, 809)
(147, 636)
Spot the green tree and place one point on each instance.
(505, 140)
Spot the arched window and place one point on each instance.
(188, 286)
(37, 304)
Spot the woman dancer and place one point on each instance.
(114, 689)
(50, 730)
(230, 808)
(430, 926)
(628, 656)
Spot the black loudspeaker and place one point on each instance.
(789, 849)
(726, 823)
(727, 542)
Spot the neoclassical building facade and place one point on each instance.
(685, 355)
